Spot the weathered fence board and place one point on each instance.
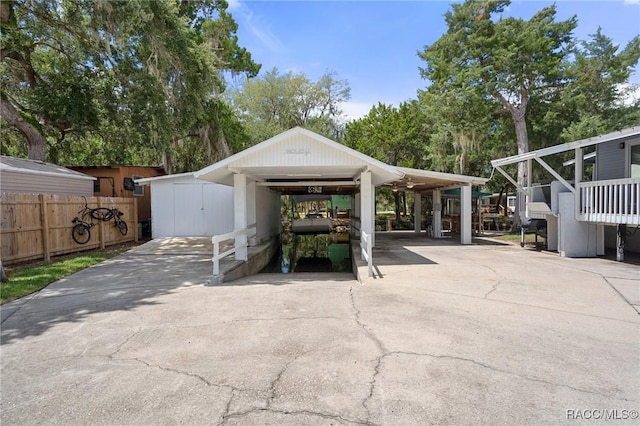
(38, 226)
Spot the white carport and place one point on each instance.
(296, 161)
(425, 182)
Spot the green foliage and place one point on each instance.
(276, 102)
(394, 135)
(496, 80)
(483, 64)
(126, 81)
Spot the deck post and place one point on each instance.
(579, 171)
(367, 206)
(417, 212)
(621, 233)
(465, 214)
(240, 214)
(437, 213)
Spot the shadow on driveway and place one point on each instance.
(125, 282)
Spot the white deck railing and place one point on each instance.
(615, 201)
(366, 250)
(217, 239)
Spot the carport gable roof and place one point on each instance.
(298, 154)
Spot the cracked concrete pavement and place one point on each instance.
(481, 334)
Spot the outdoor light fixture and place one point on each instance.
(395, 188)
(621, 145)
(410, 184)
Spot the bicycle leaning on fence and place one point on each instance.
(81, 232)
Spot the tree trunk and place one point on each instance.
(396, 199)
(522, 139)
(404, 203)
(497, 209)
(167, 162)
(36, 141)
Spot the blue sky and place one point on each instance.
(374, 44)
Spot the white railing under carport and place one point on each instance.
(615, 201)
(366, 250)
(250, 231)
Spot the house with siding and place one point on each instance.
(19, 175)
(600, 207)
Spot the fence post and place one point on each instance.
(44, 219)
(101, 224)
(135, 219)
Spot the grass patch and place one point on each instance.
(510, 237)
(24, 280)
(515, 238)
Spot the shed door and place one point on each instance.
(188, 210)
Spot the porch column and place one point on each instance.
(465, 214)
(240, 213)
(437, 214)
(367, 205)
(251, 212)
(579, 171)
(417, 212)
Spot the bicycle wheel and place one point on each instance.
(122, 226)
(102, 213)
(81, 233)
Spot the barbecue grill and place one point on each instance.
(538, 227)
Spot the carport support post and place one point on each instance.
(251, 212)
(367, 206)
(240, 214)
(465, 214)
(437, 214)
(417, 212)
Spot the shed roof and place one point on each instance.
(176, 177)
(22, 165)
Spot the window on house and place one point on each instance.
(635, 161)
(138, 190)
(96, 185)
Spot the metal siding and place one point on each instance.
(188, 210)
(268, 213)
(29, 183)
(162, 209)
(170, 215)
(298, 151)
(218, 208)
(610, 161)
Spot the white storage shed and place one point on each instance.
(182, 206)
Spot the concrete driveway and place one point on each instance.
(482, 334)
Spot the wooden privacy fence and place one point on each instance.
(38, 226)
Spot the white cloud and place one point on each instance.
(355, 110)
(234, 4)
(631, 1)
(256, 25)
